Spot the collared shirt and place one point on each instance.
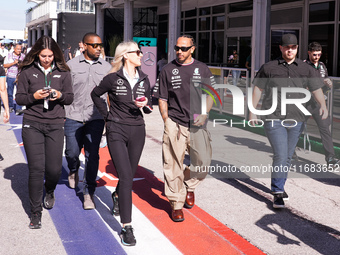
(13, 70)
(46, 71)
(321, 67)
(322, 70)
(279, 74)
(132, 81)
(85, 77)
(123, 109)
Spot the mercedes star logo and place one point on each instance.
(175, 71)
(149, 58)
(120, 82)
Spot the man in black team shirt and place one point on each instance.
(314, 54)
(273, 79)
(179, 90)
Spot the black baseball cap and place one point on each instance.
(288, 39)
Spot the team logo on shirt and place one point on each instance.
(120, 82)
(175, 71)
(322, 71)
(35, 75)
(196, 71)
(140, 88)
(56, 76)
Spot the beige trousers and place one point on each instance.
(179, 179)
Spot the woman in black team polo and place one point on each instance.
(44, 87)
(128, 90)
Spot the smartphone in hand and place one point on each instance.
(141, 98)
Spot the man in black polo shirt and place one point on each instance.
(179, 89)
(283, 132)
(314, 54)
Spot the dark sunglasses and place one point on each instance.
(316, 55)
(138, 52)
(96, 45)
(184, 49)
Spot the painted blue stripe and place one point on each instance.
(16, 120)
(82, 232)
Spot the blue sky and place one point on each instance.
(13, 14)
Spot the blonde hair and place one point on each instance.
(121, 49)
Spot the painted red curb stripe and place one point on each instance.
(200, 233)
(236, 241)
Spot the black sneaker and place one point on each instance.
(278, 201)
(49, 200)
(285, 196)
(115, 209)
(332, 161)
(127, 236)
(19, 112)
(35, 221)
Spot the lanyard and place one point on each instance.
(49, 83)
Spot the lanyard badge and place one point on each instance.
(47, 86)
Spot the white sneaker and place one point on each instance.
(88, 202)
(73, 179)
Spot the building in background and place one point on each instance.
(222, 26)
(66, 21)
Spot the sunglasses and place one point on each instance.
(138, 52)
(317, 55)
(184, 49)
(96, 45)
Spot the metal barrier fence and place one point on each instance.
(240, 77)
(334, 108)
(109, 59)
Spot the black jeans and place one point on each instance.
(43, 145)
(324, 129)
(125, 144)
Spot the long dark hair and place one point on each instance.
(45, 42)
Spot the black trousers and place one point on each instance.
(324, 129)
(125, 144)
(43, 145)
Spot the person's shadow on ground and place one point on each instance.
(286, 225)
(18, 175)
